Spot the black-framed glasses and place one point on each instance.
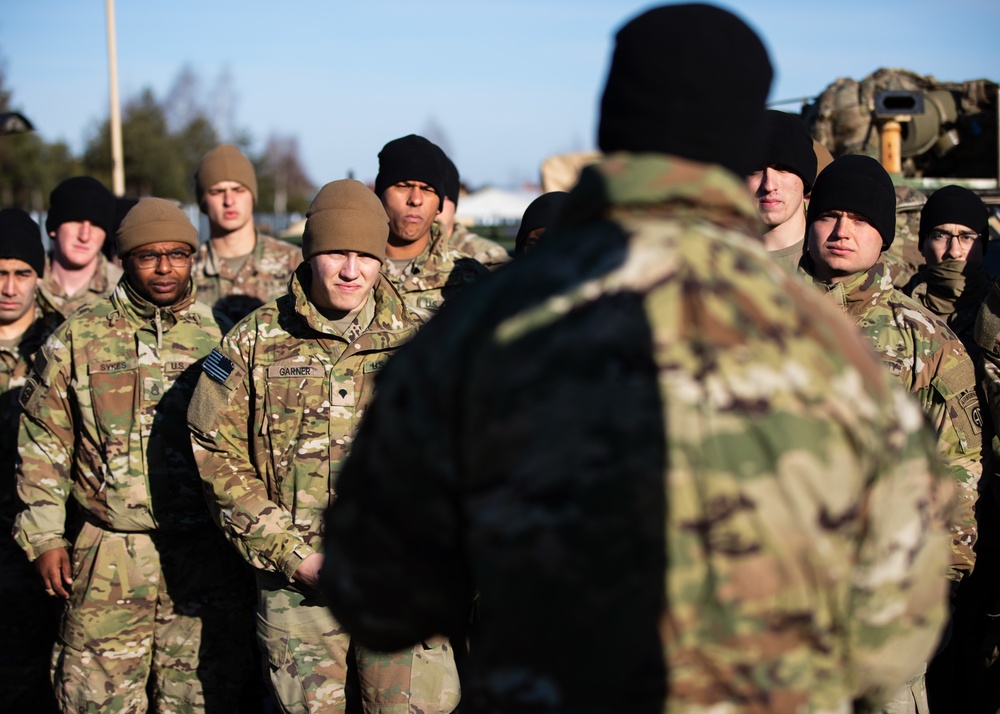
(150, 258)
(964, 239)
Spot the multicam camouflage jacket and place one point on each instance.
(954, 290)
(437, 274)
(15, 364)
(275, 412)
(927, 358)
(51, 298)
(647, 422)
(262, 278)
(489, 253)
(103, 420)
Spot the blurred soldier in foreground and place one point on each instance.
(954, 233)
(81, 215)
(492, 255)
(851, 222)
(27, 617)
(781, 184)
(149, 580)
(411, 183)
(272, 420)
(238, 269)
(647, 439)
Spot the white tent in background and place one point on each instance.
(493, 206)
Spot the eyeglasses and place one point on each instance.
(150, 259)
(964, 239)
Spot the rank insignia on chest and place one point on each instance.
(218, 366)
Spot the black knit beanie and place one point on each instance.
(81, 198)
(540, 213)
(688, 80)
(411, 158)
(789, 146)
(953, 204)
(452, 183)
(21, 239)
(857, 184)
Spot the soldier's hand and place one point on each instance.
(308, 572)
(53, 566)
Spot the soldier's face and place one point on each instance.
(160, 272)
(841, 244)
(228, 205)
(447, 216)
(778, 195)
(343, 279)
(17, 291)
(937, 251)
(76, 244)
(411, 207)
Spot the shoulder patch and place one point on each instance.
(218, 367)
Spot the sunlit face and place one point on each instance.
(75, 244)
(952, 241)
(228, 205)
(17, 290)
(842, 244)
(343, 279)
(411, 207)
(160, 272)
(777, 194)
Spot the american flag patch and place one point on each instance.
(218, 366)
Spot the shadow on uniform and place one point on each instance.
(202, 573)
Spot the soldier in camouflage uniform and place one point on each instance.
(678, 476)
(27, 618)
(272, 420)
(419, 262)
(81, 216)
(238, 269)
(781, 184)
(489, 253)
(952, 283)
(149, 581)
(851, 222)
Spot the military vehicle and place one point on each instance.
(927, 133)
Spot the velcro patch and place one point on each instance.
(218, 366)
(374, 366)
(295, 370)
(970, 405)
(118, 365)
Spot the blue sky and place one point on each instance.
(500, 83)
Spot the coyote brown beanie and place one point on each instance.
(153, 220)
(346, 215)
(224, 163)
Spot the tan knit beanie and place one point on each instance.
(153, 220)
(346, 215)
(224, 163)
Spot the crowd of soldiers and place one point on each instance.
(691, 450)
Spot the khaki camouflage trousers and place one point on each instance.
(165, 607)
(306, 659)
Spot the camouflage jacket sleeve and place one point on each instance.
(45, 443)
(987, 334)
(223, 418)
